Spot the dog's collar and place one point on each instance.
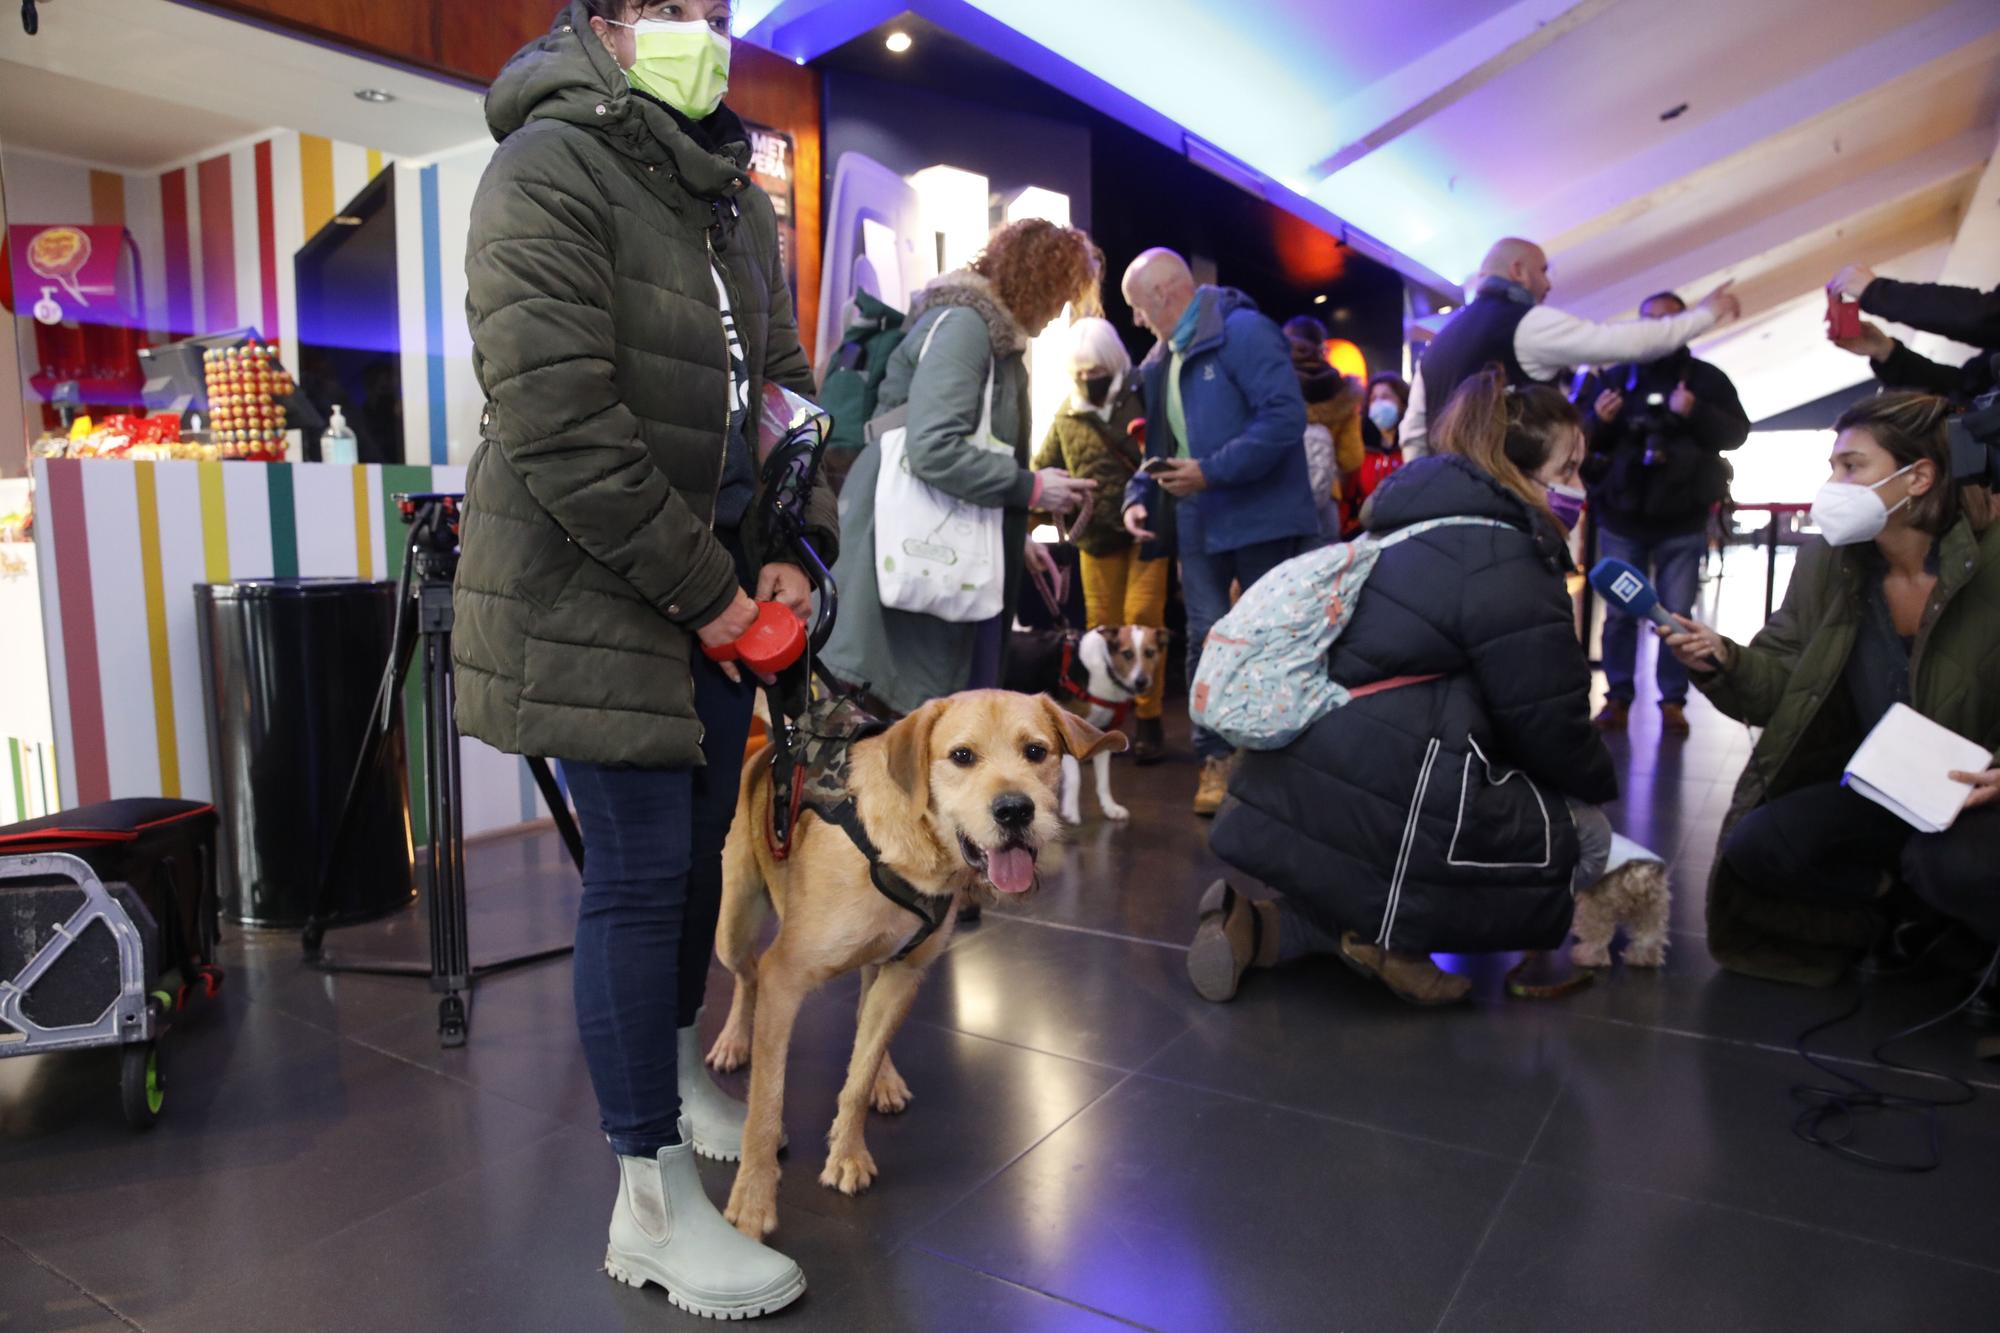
(930, 910)
(1076, 683)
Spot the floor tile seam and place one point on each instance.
(1104, 1065)
(923, 1224)
(59, 1275)
(1769, 1048)
(455, 1079)
(519, 1149)
(1313, 1113)
(1017, 1285)
(1797, 1224)
(997, 919)
(1500, 1208)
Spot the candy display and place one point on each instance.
(244, 386)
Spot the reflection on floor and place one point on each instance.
(1090, 1144)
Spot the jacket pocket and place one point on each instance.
(549, 571)
(1503, 820)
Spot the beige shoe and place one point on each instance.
(1214, 785)
(1412, 977)
(1234, 935)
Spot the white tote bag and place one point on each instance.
(936, 555)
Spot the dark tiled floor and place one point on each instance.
(1090, 1146)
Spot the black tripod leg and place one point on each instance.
(451, 965)
(380, 723)
(558, 810)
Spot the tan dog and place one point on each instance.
(1634, 893)
(961, 796)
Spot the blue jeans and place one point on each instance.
(652, 891)
(1675, 566)
(1205, 580)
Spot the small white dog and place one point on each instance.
(1110, 669)
(1634, 893)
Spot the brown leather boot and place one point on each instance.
(1674, 719)
(1235, 935)
(1411, 977)
(1613, 716)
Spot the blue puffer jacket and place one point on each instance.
(1248, 425)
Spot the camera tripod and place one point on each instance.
(424, 616)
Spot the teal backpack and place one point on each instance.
(1263, 676)
(853, 380)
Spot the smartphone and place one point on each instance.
(1153, 467)
(1843, 317)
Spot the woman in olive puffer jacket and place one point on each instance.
(627, 306)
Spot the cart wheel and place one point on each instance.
(142, 1091)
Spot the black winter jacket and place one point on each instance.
(1963, 314)
(1432, 816)
(1654, 474)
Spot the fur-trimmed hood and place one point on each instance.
(963, 287)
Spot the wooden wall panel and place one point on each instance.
(470, 40)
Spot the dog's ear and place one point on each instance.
(906, 747)
(1079, 737)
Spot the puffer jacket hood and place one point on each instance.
(567, 75)
(971, 291)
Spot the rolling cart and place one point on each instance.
(108, 929)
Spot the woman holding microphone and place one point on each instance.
(1899, 602)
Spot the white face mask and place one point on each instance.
(1848, 513)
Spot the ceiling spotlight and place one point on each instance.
(898, 43)
(1320, 299)
(1445, 309)
(378, 96)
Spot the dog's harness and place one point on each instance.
(813, 776)
(1075, 682)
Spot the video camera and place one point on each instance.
(1975, 439)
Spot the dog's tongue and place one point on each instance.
(1010, 869)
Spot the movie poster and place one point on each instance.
(771, 167)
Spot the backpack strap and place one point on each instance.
(1430, 524)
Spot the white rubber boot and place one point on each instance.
(717, 1117)
(665, 1231)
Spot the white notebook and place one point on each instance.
(1905, 764)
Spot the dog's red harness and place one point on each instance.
(1076, 683)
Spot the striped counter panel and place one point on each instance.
(120, 548)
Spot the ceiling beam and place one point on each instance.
(1451, 72)
(1945, 41)
(1817, 216)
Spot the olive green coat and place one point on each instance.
(1087, 445)
(588, 560)
(1789, 681)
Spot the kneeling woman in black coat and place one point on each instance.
(1454, 807)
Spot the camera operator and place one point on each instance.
(1959, 313)
(1657, 433)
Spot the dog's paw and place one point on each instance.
(1590, 955)
(1115, 812)
(849, 1172)
(1645, 953)
(729, 1052)
(891, 1095)
(1072, 815)
(753, 1208)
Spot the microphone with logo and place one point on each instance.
(1625, 586)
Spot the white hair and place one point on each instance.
(1094, 342)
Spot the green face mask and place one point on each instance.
(685, 65)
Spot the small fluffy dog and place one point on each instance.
(960, 796)
(1633, 893)
(1098, 681)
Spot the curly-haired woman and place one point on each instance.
(983, 316)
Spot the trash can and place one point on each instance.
(291, 668)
